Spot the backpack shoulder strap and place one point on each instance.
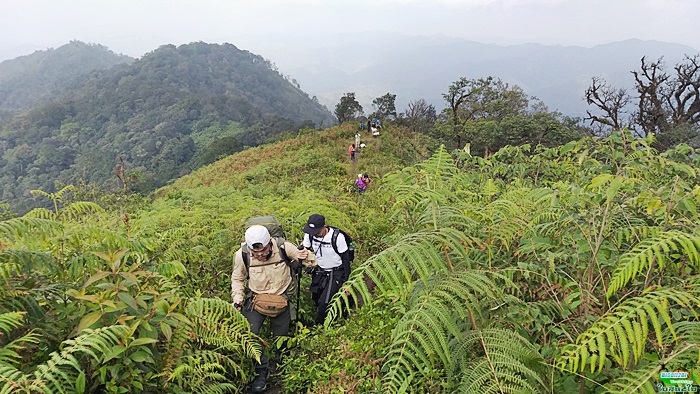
(246, 255)
(246, 259)
(334, 239)
(283, 251)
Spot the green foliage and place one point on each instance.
(564, 233)
(384, 106)
(348, 108)
(487, 114)
(567, 268)
(507, 363)
(346, 358)
(173, 110)
(29, 80)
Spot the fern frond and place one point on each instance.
(641, 379)
(10, 320)
(438, 315)
(624, 331)
(416, 256)
(77, 209)
(636, 381)
(217, 322)
(498, 361)
(13, 262)
(60, 371)
(13, 381)
(9, 352)
(639, 259)
(629, 232)
(16, 228)
(205, 372)
(41, 213)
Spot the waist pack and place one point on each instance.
(269, 304)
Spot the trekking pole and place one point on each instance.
(299, 271)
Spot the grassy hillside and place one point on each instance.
(535, 270)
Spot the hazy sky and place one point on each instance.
(134, 27)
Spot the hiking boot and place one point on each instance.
(259, 384)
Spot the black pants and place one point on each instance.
(279, 325)
(324, 285)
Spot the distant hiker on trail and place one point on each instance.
(357, 140)
(334, 252)
(351, 151)
(366, 179)
(362, 125)
(266, 264)
(360, 183)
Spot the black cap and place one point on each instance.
(315, 224)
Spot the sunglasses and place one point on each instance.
(262, 252)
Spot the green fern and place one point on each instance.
(17, 228)
(440, 312)
(623, 331)
(218, 323)
(416, 256)
(499, 361)
(640, 258)
(9, 348)
(61, 371)
(640, 379)
(204, 371)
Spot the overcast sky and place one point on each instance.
(134, 27)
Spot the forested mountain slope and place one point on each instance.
(167, 113)
(28, 80)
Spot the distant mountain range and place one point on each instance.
(372, 64)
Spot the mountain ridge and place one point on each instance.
(173, 110)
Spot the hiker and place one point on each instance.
(334, 251)
(362, 125)
(357, 140)
(360, 183)
(366, 179)
(351, 151)
(270, 286)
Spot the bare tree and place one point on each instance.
(667, 105)
(650, 83)
(420, 115)
(665, 101)
(608, 100)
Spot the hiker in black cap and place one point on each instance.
(334, 253)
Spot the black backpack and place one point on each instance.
(334, 242)
(276, 232)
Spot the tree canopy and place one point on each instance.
(385, 106)
(173, 110)
(348, 108)
(488, 114)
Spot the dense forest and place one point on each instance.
(43, 75)
(150, 121)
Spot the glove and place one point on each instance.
(237, 302)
